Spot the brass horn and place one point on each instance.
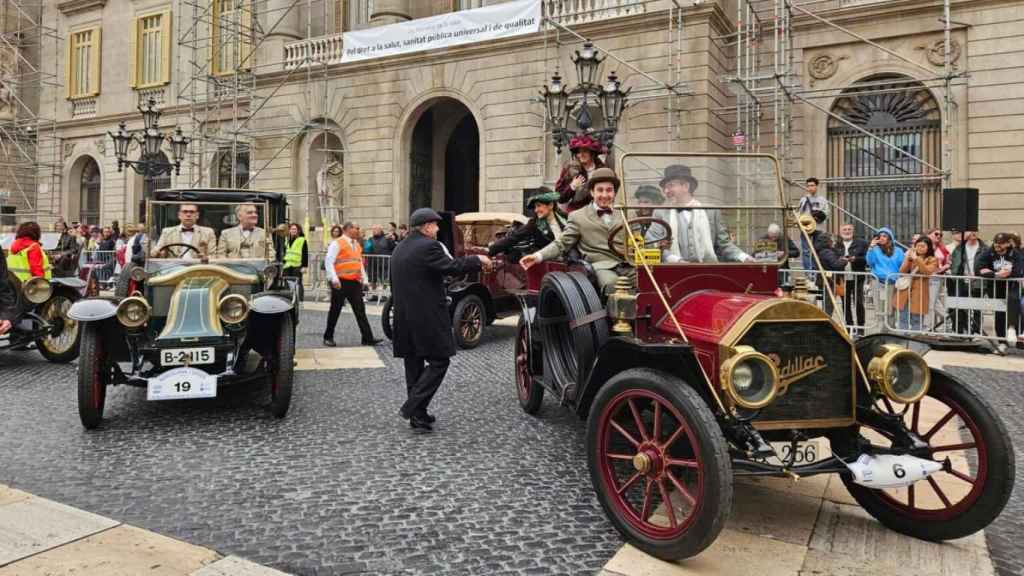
(807, 224)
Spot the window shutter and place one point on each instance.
(69, 65)
(133, 53)
(165, 47)
(95, 63)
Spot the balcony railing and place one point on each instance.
(83, 107)
(583, 11)
(313, 52)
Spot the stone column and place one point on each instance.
(390, 12)
(271, 51)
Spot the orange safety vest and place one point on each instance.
(348, 265)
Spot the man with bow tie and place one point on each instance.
(247, 240)
(203, 239)
(697, 235)
(588, 229)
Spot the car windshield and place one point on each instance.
(704, 208)
(226, 232)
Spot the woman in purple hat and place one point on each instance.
(572, 182)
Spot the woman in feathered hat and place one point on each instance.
(572, 182)
(544, 226)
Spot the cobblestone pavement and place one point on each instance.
(340, 486)
(1003, 390)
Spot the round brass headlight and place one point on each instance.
(900, 374)
(37, 290)
(138, 274)
(133, 312)
(269, 275)
(233, 309)
(750, 378)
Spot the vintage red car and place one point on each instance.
(477, 300)
(695, 373)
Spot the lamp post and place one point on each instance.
(150, 140)
(561, 102)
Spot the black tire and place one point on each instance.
(122, 286)
(529, 392)
(986, 498)
(283, 368)
(628, 400)
(93, 375)
(387, 317)
(569, 353)
(62, 347)
(468, 321)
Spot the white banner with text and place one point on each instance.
(453, 29)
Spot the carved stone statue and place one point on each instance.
(330, 182)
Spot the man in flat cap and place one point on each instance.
(422, 326)
(698, 235)
(544, 227)
(587, 229)
(647, 195)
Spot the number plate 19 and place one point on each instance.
(181, 383)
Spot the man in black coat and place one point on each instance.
(854, 252)
(542, 229)
(422, 325)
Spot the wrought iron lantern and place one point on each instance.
(561, 102)
(150, 163)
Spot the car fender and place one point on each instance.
(270, 304)
(74, 283)
(92, 309)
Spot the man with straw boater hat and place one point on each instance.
(588, 229)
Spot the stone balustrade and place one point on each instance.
(570, 12)
(322, 50)
(83, 107)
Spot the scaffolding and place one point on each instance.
(767, 87)
(29, 151)
(217, 72)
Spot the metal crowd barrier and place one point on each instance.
(102, 265)
(945, 306)
(378, 276)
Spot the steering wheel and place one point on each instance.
(164, 249)
(652, 233)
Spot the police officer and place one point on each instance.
(422, 326)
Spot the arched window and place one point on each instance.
(224, 169)
(882, 183)
(89, 193)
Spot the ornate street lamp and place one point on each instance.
(561, 102)
(150, 140)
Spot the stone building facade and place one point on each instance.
(460, 128)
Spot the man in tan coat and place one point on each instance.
(588, 229)
(187, 232)
(247, 240)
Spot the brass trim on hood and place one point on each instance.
(204, 270)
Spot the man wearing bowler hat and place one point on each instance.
(698, 235)
(422, 326)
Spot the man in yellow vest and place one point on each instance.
(345, 271)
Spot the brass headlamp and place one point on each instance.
(750, 378)
(133, 312)
(899, 374)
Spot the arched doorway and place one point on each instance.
(881, 185)
(444, 158)
(89, 185)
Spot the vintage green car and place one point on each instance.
(211, 292)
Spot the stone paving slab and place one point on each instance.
(33, 525)
(235, 566)
(347, 357)
(120, 551)
(9, 495)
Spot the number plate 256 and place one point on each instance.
(182, 383)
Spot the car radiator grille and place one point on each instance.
(824, 394)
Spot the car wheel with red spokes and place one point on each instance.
(468, 321)
(282, 367)
(659, 463)
(966, 435)
(530, 393)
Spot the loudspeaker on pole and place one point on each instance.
(960, 209)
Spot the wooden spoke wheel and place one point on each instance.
(61, 345)
(93, 376)
(659, 463)
(469, 320)
(964, 434)
(530, 393)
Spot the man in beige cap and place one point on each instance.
(588, 229)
